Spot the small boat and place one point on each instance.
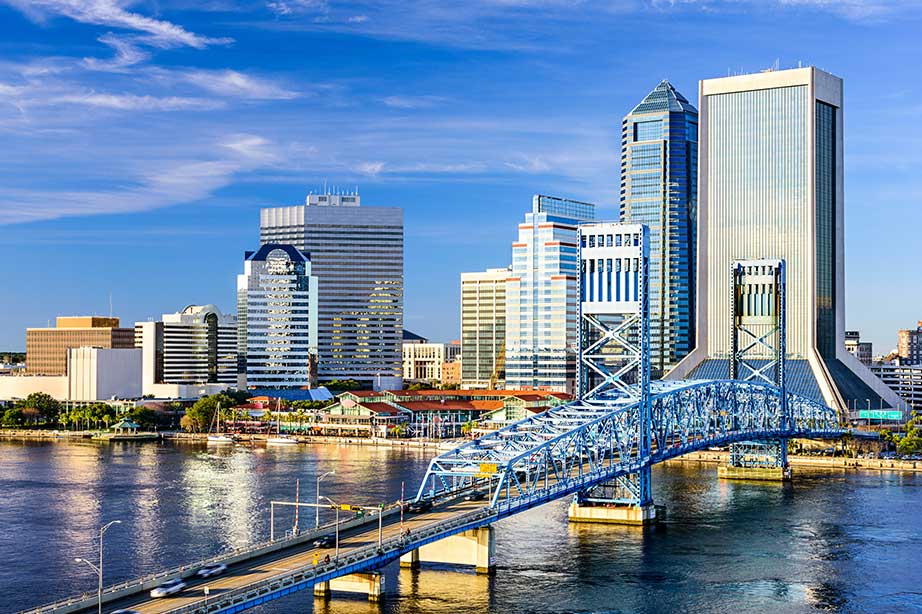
(218, 438)
(278, 439)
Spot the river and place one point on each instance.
(831, 541)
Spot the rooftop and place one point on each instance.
(663, 98)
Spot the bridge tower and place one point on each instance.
(757, 354)
(614, 356)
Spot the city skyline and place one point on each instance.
(204, 207)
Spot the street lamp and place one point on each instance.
(336, 505)
(317, 510)
(98, 570)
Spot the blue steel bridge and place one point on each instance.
(597, 449)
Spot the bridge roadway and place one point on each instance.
(283, 562)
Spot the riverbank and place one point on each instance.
(44, 435)
(829, 462)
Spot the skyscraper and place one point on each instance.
(542, 302)
(483, 328)
(771, 186)
(276, 319)
(659, 181)
(357, 255)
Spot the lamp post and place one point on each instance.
(317, 510)
(98, 570)
(336, 505)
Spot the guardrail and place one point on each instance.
(369, 557)
(135, 585)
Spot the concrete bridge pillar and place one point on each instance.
(476, 547)
(613, 513)
(371, 584)
(765, 461)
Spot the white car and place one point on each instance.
(215, 569)
(168, 588)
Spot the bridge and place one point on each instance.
(598, 449)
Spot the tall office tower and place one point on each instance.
(659, 182)
(483, 329)
(862, 350)
(771, 186)
(908, 346)
(357, 254)
(195, 346)
(276, 319)
(542, 298)
(46, 348)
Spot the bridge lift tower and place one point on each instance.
(614, 357)
(757, 354)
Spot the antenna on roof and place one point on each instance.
(110, 303)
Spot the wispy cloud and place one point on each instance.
(126, 54)
(234, 83)
(130, 102)
(112, 14)
(412, 102)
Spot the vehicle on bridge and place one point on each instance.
(417, 507)
(208, 571)
(168, 588)
(324, 541)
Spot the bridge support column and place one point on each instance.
(371, 584)
(613, 513)
(626, 500)
(757, 460)
(476, 548)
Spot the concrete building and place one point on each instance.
(97, 374)
(905, 380)
(357, 255)
(451, 373)
(188, 353)
(46, 348)
(276, 319)
(909, 345)
(771, 186)
(862, 350)
(542, 303)
(659, 182)
(422, 362)
(483, 328)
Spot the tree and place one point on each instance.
(343, 384)
(14, 416)
(145, 417)
(47, 407)
(202, 412)
(239, 397)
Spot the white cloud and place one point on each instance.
(126, 54)
(251, 146)
(357, 19)
(370, 168)
(111, 13)
(412, 102)
(234, 84)
(130, 102)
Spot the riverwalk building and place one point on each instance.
(542, 302)
(771, 185)
(659, 181)
(483, 328)
(357, 256)
(276, 319)
(188, 354)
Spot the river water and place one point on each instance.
(832, 541)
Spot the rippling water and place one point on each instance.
(831, 541)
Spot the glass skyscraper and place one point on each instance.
(659, 181)
(276, 319)
(357, 255)
(542, 297)
(483, 328)
(771, 186)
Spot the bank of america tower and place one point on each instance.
(659, 178)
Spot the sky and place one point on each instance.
(138, 140)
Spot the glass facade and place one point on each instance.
(659, 183)
(825, 229)
(483, 329)
(542, 297)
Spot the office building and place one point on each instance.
(276, 319)
(46, 348)
(908, 345)
(422, 362)
(483, 328)
(904, 379)
(189, 353)
(771, 186)
(659, 181)
(357, 255)
(542, 302)
(862, 350)
(96, 374)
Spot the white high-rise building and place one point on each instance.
(483, 329)
(771, 186)
(356, 253)
(276, 319)
(188, 353)
(542, 302)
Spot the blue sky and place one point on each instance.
(140, 139)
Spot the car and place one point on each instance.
(215, 569)
(416, 507)
(168, 588)
(324, 541)
(476, 495)
(124, 612)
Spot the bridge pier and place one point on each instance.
(613, 513)
(371, 584)
(476, 547)
(765, 461)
